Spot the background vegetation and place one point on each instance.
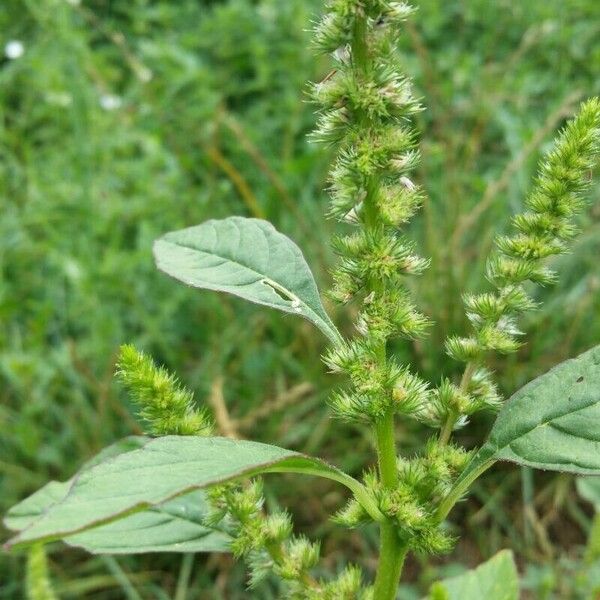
(123, 119)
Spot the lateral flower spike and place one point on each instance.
(543, 230)
(163, 403)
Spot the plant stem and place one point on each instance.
(360, 55)
(446, 431)
(391, 551)
(185, 572)
(121, 577)
(391, 560)
(386, 451)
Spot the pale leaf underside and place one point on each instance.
(248, 258)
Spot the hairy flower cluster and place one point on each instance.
(269, 546)
(378, 387)
(365, 109)
(336, 28)
(166, 406)
(412, 505)
(451, 401)
(543, 230)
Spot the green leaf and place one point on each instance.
(23, 514)
(496, 579)
(175, 526)
(552, 423)
(159, 471)
(248, 258)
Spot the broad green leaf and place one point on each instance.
(175, 526)
(248, 258)
(552, 423)
(30, 509)
(161, 470)
(496, 579)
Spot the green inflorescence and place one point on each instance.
(365, 108)
(166, 407)
(543, 230)
(269, 546)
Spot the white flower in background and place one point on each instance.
(14, 49)
(110, 102)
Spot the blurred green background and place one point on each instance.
(123, 119)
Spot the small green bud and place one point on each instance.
(464, 349)
(499, 338)
(530, 246)
(389, 315)
(346, 586)
(398, 203)
(410, 393)
(250, 537)
(483, 392)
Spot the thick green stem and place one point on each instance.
(386, 451)
(391, 560)
(392, 551)
(360, 55)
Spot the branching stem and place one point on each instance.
(450, 422)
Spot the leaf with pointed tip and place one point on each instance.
(248, 258)
(163, 469)
(23, 514)
(175, 526)
(552, 423)
(496, 579)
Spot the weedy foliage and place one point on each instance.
(366, 106)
